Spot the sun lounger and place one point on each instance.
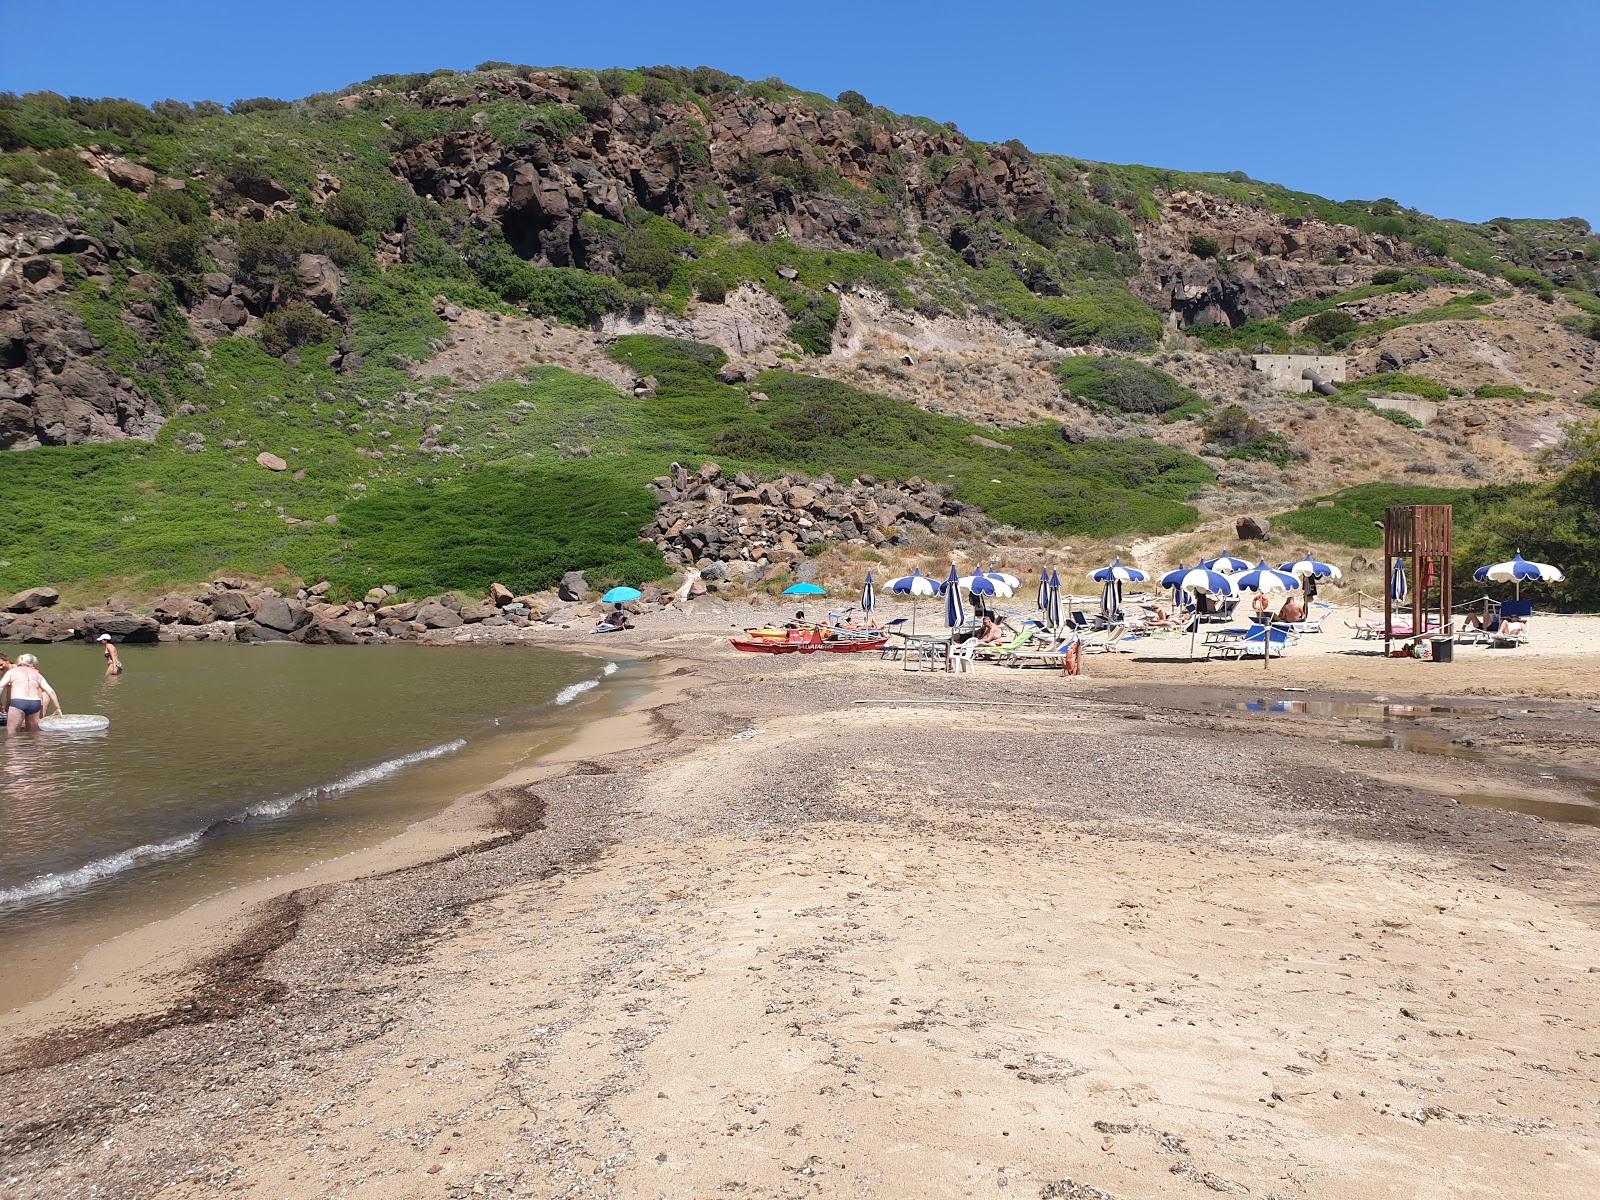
(1259, 640)
(1312, 623)
(1108, 641)
(1049, 654)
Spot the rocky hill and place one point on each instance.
(402, 246)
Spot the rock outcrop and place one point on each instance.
(54, 386)
(742, 527)
(1263, 260)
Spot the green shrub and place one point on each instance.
(1252, 335)
(176, 250)
(855, 103)
(1404, 419)
(556, 120)
(293, 327)
(1202, 246)
(258, 104)
(1120, 385)
(594, 104)
(348, 210)
(1498, 391)
(1236, 434)
(645, 262)
(711, 287)
(813, 316)
(1326, 326)
(1387, 275)
(1394, 381)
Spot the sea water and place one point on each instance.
(226, 763)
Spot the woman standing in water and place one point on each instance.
(31, 695)
(113, 660)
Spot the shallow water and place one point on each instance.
(224, 764)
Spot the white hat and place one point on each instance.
(104, 637)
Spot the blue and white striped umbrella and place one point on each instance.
(869, 600)
(1199, 579)
(985, 585)
(1519, 571)
(1044, 591)
(914, 584)
(1011, 581)
(1398, 590)
(955, 612)
(1193, 580)
(1053, 606)
(1262, 578)
(1225, 564)
(1309, 568)
(1111, 600)
(1118, 573)
(1181, 599)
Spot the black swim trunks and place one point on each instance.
(27, 707)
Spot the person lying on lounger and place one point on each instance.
(1495, 623)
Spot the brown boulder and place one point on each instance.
(181, 610)
(283, 615)
(130, 175)
(32, 600)
(232, 606)
(437, 616)
(473, 613)
(1252, 529)
(500, 595)
(271, 461)
(124, 627)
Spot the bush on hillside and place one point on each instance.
(293, 327)
(855, 103)
(1202, 246)
(257, 104)
(1395, 381)
(1236, 434)
(592, 103)
(813, 316)
(1120, 385)
(1387, 275)
(711, 287)
(1326, 326)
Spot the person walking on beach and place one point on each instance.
(113, 659)
(31, 695)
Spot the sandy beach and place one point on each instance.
(817, 926)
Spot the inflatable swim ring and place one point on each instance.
(74, 723)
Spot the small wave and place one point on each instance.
(573, 690)
(282, 804)
(116, 864)
(610, 669)
(103, 868)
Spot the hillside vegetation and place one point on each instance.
(189, 285)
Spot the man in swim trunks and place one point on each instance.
(31, 695)
(113, 662)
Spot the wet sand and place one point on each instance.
(1109, 930)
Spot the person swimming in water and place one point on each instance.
(31, 695)
(113, 659)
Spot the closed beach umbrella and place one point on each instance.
(621, 595)
(1053, 603)
(1196, 580)
(804, 589)
(1111, 599)
(955, 612)
(1518, 571)
(868, 599)
(1044, 591)
(916, 585)
(1397, 582)
(1309, 568)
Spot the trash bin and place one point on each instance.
(1443, 649)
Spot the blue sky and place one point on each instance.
(1470, 109)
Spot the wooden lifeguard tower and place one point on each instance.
(1421, 533)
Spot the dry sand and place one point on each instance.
(1105, 930)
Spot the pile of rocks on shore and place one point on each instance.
(745, 530)
(235, 610)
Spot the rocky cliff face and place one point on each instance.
(1262, 262)
(751, 154)
(55, 388)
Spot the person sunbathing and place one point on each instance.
(1294, 609)
(1495, 623)
(993, 633)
